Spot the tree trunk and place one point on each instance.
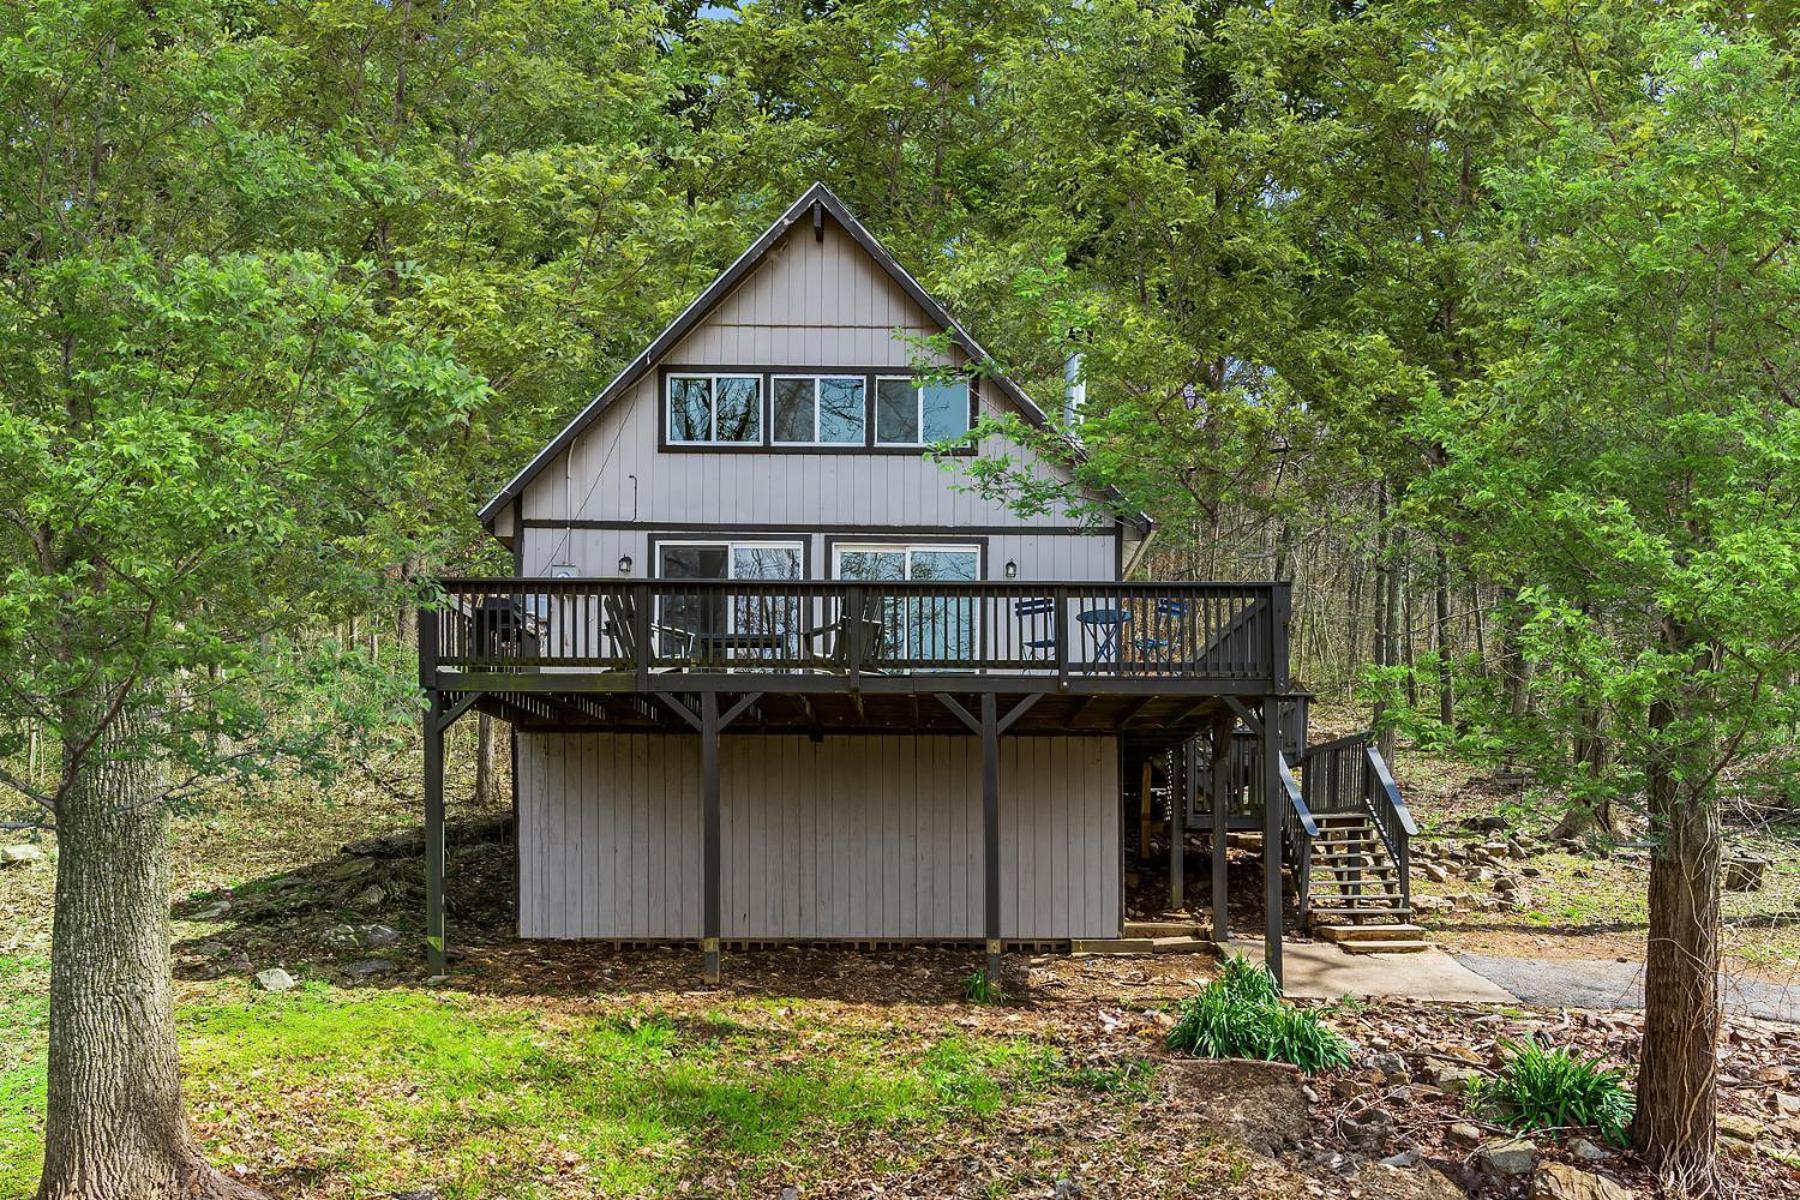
(1677, 1115)
(1446, 676)
(114, 1127)
(484, 760)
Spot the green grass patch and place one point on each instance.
(378, 1091)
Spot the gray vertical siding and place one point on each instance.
(851, 837)
(811, 304)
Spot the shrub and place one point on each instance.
(1556, 1089)
(1241, 1015)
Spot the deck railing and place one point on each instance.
(1222, 631)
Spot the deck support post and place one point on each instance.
(1222, 738)
(434, 834)
(1274, 805)
(990, 829)
(709, 770)
(1179, 796)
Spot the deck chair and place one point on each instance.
(621, 627)
(836, 657)
(1031, 613)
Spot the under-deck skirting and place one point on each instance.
(848, 838)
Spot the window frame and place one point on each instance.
(712, 409)
(818, 379)
(967, 446)
(835, 548)
(918, 388)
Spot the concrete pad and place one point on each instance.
(1322, 971)
(1605, 984)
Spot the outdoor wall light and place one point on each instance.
(563, 571)
(1012, 570)
(624, 564)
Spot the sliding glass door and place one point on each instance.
(917, 624)
(735, 625)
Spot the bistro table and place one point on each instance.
(1104, 624)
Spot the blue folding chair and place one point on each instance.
(1168, 631)
(1037, 609)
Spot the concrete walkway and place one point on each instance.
(1321, 971)
(1603, 983)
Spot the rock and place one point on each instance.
(1787, 1104)
(1065, 1188)
(1456, 1079)
(18, 856)
(1739, 1128)
(1516, 850)
(369, 897)
(377, 936)
(1388, 1063)
(1744, 874)
(213, 911)
(1464, 1134)
(347, 868)
(401, 843)
(1587, 1151)
(1406, 1158)
(1434, 872)
(1420, 1181)
(366, 968)
(1261, 1104)
(274, 979)
(1559, 1181)
(421, 1194)
(340, 937)
(1508, 1158)
(1506, 883)
(1367, 1130)
(1488, 824)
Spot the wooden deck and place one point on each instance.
(1154, 664)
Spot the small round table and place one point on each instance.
(1105, 623)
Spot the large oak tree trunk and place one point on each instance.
(114, 1125)
(1677, 1115)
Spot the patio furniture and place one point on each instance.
(1104, 625)
(1032, 613)
(621, 627)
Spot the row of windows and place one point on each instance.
(814, 410)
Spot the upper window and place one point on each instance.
(715, 408)
(819, 410)
(910, 413)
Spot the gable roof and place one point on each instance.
(816, 201)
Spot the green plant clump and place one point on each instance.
(1556, 1089)
(1241, 1015)
(979, 989)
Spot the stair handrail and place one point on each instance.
(1390, 816)
(1299, 830)
(1296, 801)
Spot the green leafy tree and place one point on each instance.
(1635, 451)
(205, 426)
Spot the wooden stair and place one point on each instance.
(1355, 889)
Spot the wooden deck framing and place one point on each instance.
(1156, 663)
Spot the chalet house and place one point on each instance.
(775, 676)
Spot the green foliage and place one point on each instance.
(1241, 1015)
(1546, 1089)
(979, 989)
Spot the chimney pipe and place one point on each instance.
(1074, 391)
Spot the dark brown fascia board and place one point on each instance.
(817, 196)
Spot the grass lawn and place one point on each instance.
(329, 1091)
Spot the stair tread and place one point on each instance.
(1397, 946)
